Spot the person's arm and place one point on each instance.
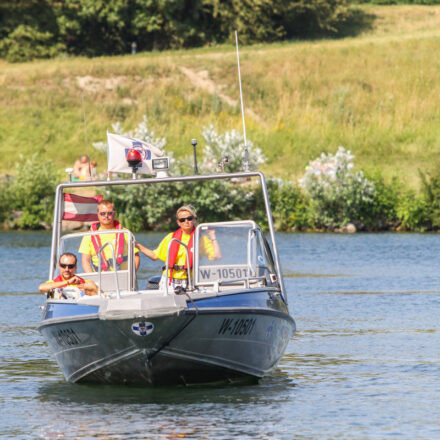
(146, 251)
(77, 169)
(90, 288)
(217, 251)
(50, 285)
(137, 260)
(85, 261)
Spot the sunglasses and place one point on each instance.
(190, 218)
(70, 266)
(103, 214)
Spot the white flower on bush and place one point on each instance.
(230, 145)
(337, 193)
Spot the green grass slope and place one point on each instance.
(377, 94)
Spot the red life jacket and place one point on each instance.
(96, 241)
(174, 249)
(60, 278)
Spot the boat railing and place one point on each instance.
(115, 269)
(58, 209)
(167, 269)
(124, 275)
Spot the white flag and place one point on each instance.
(119, 146)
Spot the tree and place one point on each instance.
(28, 29)
(42, 28)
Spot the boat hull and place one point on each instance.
(205, 342)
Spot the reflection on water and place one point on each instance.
(268, 388)
(188, 412)
(15, 370)
(363, 364)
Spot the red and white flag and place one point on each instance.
(81, 209)
(119, 146)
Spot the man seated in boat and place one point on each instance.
(90, 244)
(186, 217)
(68, 279)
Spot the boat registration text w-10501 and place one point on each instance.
(237, 327)
(215, 273)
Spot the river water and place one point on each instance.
(364, 363)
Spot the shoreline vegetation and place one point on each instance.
(377, 95)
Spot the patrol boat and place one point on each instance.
(230, 324)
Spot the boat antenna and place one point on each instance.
(85, 132)
(246, 152)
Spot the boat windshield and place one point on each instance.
(233, 252)
(103, 256)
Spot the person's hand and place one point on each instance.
(75, 280)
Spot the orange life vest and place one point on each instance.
(96, 241)
(174, 249)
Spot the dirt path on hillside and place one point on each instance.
(202, 81)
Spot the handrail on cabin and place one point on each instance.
(115, 271)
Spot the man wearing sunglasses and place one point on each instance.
(186, 217)
(90, 244)
(67, 277)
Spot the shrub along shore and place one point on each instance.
(377, 95)
(331, 195)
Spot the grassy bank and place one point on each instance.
(377, 94)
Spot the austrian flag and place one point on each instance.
(81, 209)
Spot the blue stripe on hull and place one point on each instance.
(261, 299)
(59, 310)
(247, 299)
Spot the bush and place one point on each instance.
(291, 209)
(413, 211)
(25, 43)
(4, 200)
(431, 197)
(32, 192)
(382, 214)
(337, 195)
(314, 18)
(153, 207)
(229, 145)
(275, 20)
